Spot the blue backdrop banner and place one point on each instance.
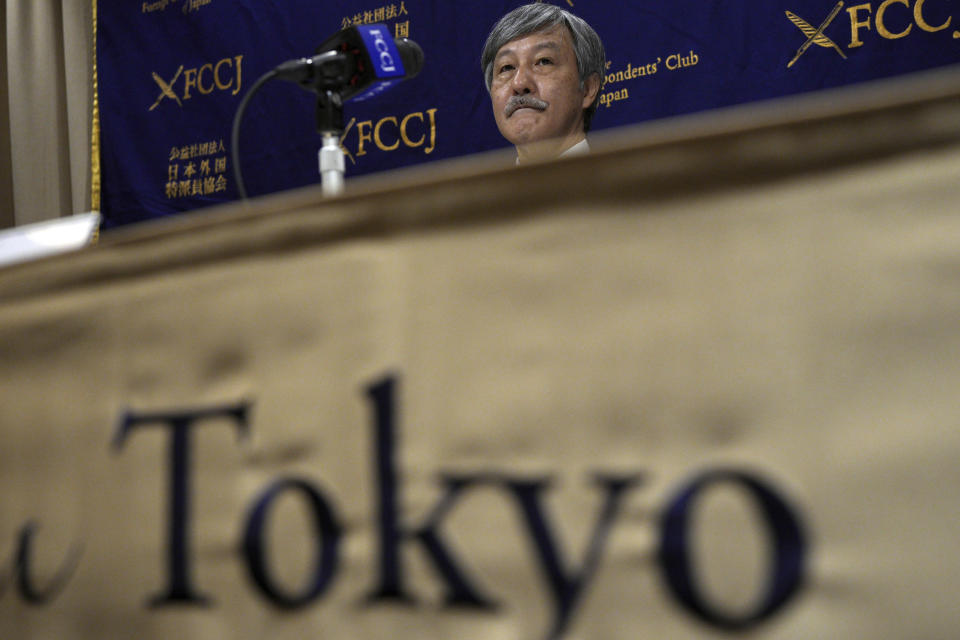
(171, 74)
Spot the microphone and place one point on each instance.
(358, 63)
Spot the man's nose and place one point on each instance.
(523, 81)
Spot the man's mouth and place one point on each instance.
(515, 103)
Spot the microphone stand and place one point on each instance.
(330, 156)
(328, 75)
(332, 74)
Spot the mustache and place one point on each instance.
(520, 102)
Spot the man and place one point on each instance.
(543, 67)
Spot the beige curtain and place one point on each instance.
(45, 109)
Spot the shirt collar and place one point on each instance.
(581, 148)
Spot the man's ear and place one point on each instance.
(591, 87)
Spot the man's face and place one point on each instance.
(536, 90)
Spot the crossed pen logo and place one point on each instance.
(815, 36)
(166, 89)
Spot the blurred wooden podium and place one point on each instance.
(701, 381)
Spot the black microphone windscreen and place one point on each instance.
(412, 56)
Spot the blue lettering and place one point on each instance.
(567, 587)
(180, 587)
(789, 545)
(328, 541)
(29, 590)
(460, 591)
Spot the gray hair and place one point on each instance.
(532, 18)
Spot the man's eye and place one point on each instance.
(506, 67)
(544, 61)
